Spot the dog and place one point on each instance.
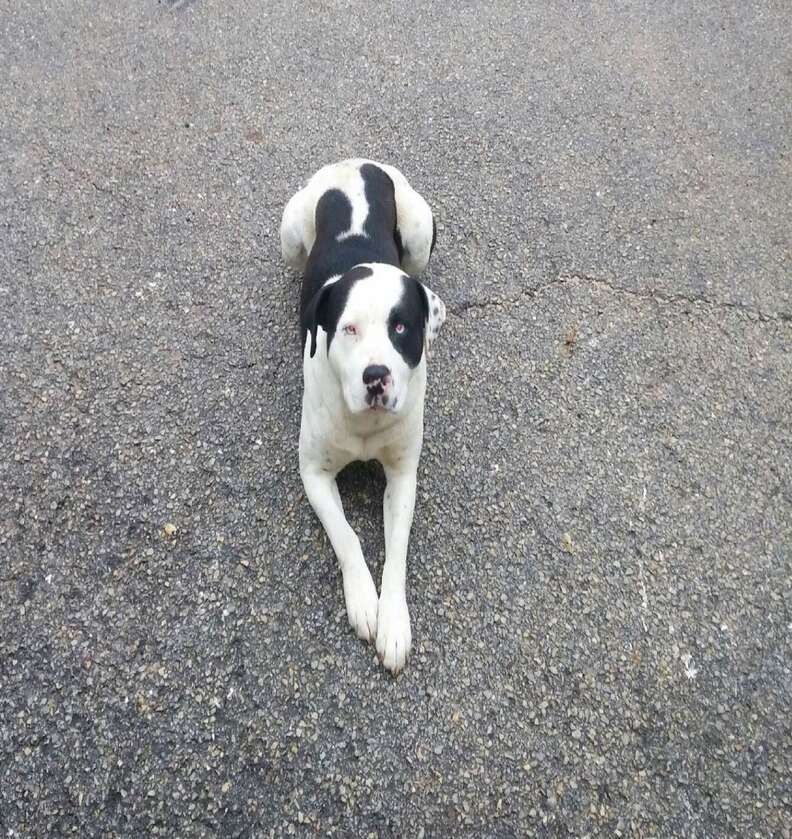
(359, 233)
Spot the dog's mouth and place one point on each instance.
(377, 403)
(377, 400)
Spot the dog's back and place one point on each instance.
(374, 192)
(354, 223)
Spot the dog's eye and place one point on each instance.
(349, 329)
(399, 328)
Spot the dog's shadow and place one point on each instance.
(362, 486)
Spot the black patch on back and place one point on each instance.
(330, 257)
(413, 311)
(327, 305)
(381, 220)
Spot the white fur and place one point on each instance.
(331, 436)
(337, 427)
(355, 191)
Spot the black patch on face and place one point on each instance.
(412, 310)
(327, 305)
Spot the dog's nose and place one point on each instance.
(375, 374)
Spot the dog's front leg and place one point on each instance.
(394, 637)
(360, 592)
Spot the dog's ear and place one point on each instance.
(435, 311)
(315, 315)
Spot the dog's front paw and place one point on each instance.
(394, 637)
(360, 594)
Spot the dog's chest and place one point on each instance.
(342, 446)
(333, 440)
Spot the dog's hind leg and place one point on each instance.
(297, 231)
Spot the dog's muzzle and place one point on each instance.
(376, 378)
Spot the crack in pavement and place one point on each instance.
(463, 306)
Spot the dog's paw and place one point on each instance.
(360, 594)
(394, 637)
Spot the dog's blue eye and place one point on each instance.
(399, 328)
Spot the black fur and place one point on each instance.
(327, 305)
(413, 312)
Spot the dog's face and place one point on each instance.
(379, 322)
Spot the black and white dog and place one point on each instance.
(359, 232)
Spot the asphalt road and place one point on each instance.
(601, 559)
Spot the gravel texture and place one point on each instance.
(601, 562)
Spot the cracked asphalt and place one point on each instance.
(601, 558)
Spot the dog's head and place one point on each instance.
(379, 323)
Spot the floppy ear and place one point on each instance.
(315, 315)
(435, 315)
